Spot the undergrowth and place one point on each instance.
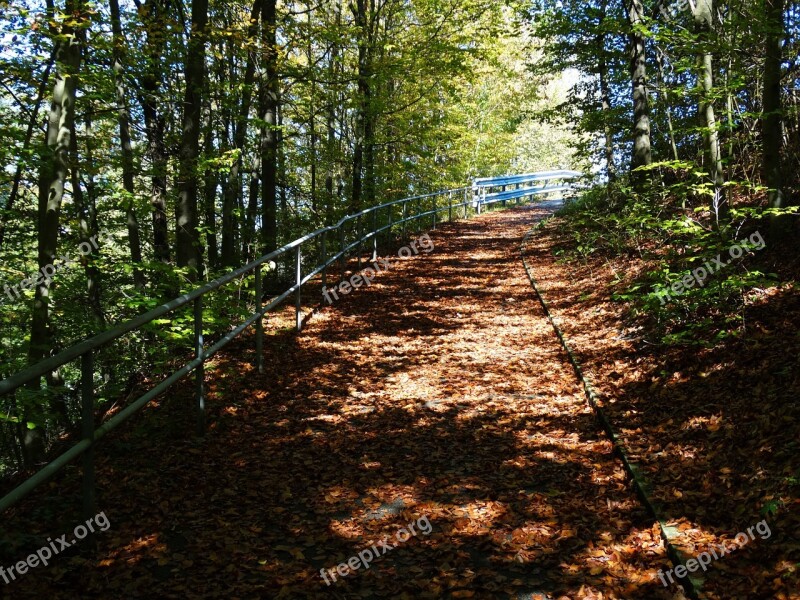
(673, 233)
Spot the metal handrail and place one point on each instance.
(523, 193)
(526, 178)
(482, 195)
(86, 349)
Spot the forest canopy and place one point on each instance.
(177, 140)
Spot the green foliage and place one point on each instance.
(671, 230)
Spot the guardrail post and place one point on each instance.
(374, 235)
(391, 222)
(87, 432)
(259, 323)
(435, 209)
(298, 268)
(466, 204)
(324, 252)
(450, 206)
(405, 212)
(341, 249)
(200, 371)
(360, 240)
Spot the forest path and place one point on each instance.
(437, 395)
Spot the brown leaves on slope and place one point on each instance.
(717, 431)
(440, 392)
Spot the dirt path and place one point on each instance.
(437, 397)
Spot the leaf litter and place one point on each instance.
(438, 391)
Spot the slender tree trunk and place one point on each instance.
(330, 146)
(729, 115)
(253, 190)
(313, 185)
(87, 219)
(330, 153)
(733, 32)
(268, 101)
(370, 127)
(12, 197)
(642, 152)
(667, 108)
(608, 135)
(282, 184)
(233, 189)
(703, 15)
(153, 16)
(312, 114)
(212, 180)
(53, 175)
(187, 248)
(605, 94)
(123, 120)
(360, 16)
(772, 122)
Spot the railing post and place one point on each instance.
(87, 432)
(324, 260)
(200, 371)
(374, 234)
(341, 249)
(259, 323)
(466, 204)
(360, 240)
(391, 221)
(298, 268)
(435, 209)
(405, 212)
(450, 206)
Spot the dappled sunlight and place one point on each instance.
(714, 429)
(410, 398)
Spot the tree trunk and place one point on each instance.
(642, 152)
(187, 246)
(703, 15)
(312, 115)
(153, 16)
(123, 120)
(364, 93)
(268, 101)
(668, 109)
(772, 122)
(53, 175)
(87, 220)
(330, 146)
(212, 178)
(249, 249)
(282, 183)
(605, 95)
(233, 189)
(12, 197)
